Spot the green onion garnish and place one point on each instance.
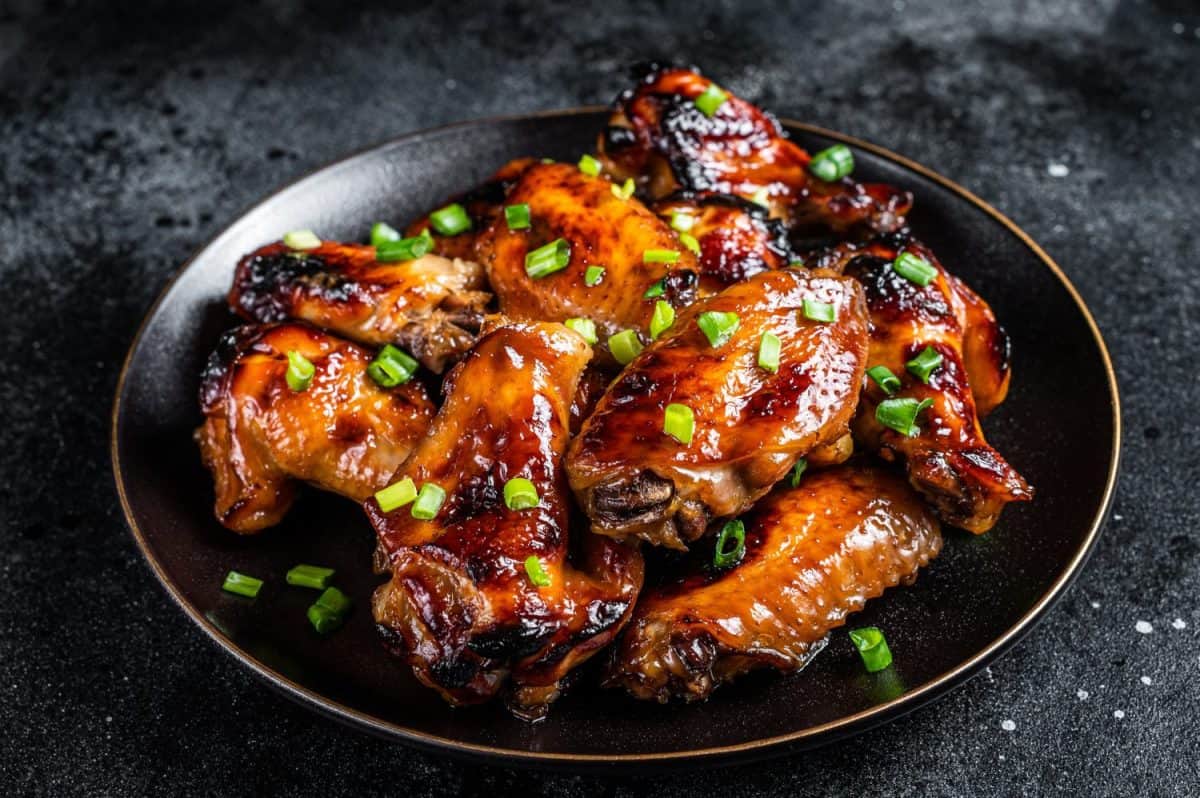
(833, 163)
(682, 222)
(520, 494)
(872, 647)
(428, 502)
(796, 264)
(451, 220)
(593, 275)
(797, 471)
(312, 576)
(711, 100)
(762, 197)
(517, 216)
(548, 259)
(536, 573)
(300, 371)
(585, 327)
(241, 584)
(914, 269)
(725, 556)
(589, 165)
(679, 422)
(660, 256)
(885, 379)
(654, 290)
(405, 249)
(625, 190)
(334, 600)
(301, 240)
(323, 620)
(625, 346)
(901, 414)
(768, 352)
(924, 364)
(384, 233)
(717, 326)
(392, 367)
(825, 312)
(662, 318)
(396, 495)
(689, 241)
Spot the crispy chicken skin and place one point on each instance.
(345, 433)
(602, 230)
(814, 554)
(431, 306)
(750, 424)
(459, 606)
(949, 461)
(658, 135)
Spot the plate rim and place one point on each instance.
(812, 736)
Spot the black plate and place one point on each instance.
(1060, 427)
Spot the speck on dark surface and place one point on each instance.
(131, 135)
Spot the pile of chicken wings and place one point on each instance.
(699, 260)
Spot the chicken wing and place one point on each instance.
(461, 605)
(750, 423)
(431, 306)
(814, 554)
(344, 433)
(948, 459)
(658, 135)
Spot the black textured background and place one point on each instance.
(129, 137)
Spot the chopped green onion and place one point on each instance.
(549, 160)
(924, 364)
(711, 100)
(451, 220)
(405, 249)
(301, 240)
(914, 269)
(625, 346)
(833, 163)
(548, 259)
(593, 275)
(625, 190)
(768, 352)
(520, 494)
(654, 290)
(384, 233)
(662, 318)
(241, 584)
(761, 197)
(901, 414)
(536, 573)
(392, 367)
(300, 371)
(872, 647)
(334, 600)
(517, 216)
(885, 379)
(723, 555)
(679, 422)
(396, 495)
(585, 327)
(717, 326)
(689, 241)
(589, 165)
(428, 502)
(797, 471)
(322, 619)
(312, 576)
(825, 312)
(796, 264)
(682, 222)
(660, 256)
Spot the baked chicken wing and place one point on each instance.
(462, 606)
(430, 306)
(751, 423)
(343, 433)
(659, 135)
(813, 555)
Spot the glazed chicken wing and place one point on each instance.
(750, 423)
(658, 135)
(344, 433)
(948, 459)
(431, 306)
(461, 605)
(814, 554)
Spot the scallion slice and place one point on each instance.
(334, 600)
(679, 422)
(396, 495)
(589, 165)
(451, 220)
(517, 216)
(662, 318)
(625, 190)
(313, 576)
(711, 100)
(300, 371)
(682, 222)
(796, 263)
(914, 269)
(593, 275)
(520, 494)
(718, 327)
(654, 290)
(322, 619)
(548, 259)
(797, 471)
(825, 312)
(384, 233)
(625, 346)
(585, 327)
(901, 414)
(833, 163)
(301, 240)
(392, 366)
(689, 241)
(536, 573)
(241, 584)
(768, 352)
(660, 256)
(923, 365)
(731, 545)
(405, 249)
(762, 197)
(428, 502)
(885, 379)
(872, 647)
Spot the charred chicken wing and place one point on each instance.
(483, 594)
(750, 422)
(343, 433)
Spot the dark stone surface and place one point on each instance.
(127, 138)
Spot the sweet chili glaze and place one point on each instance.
(949, 461)
(657, 135)
(750, 424)
(344, 433)
(814, 554)
(459, 606)
(431, 306)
